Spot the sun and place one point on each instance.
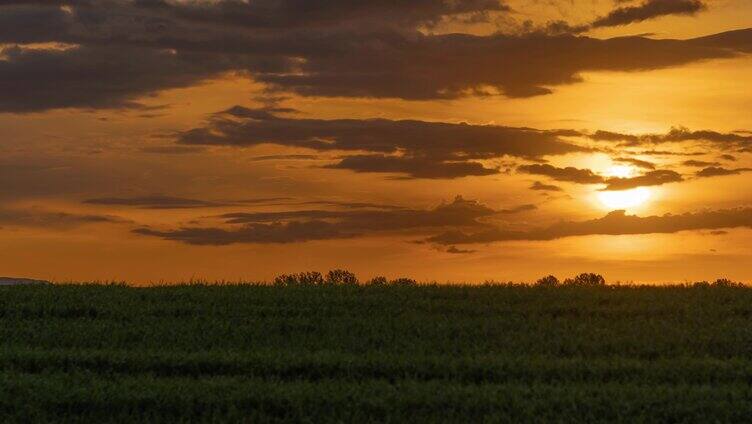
(625, 199)
(620, 171)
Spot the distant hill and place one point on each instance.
(11, 281)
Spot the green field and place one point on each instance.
(257, 353)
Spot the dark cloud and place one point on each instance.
(678, 135)
(615, 223)
(351, 205)
(169, 202)
(155, 202)
(568, 174)
(252, 233)
(460, 212)
(284, 157)
(652, 178)
(715, 171)
(93, 77)
(738, 40)
(42, 218)
(625, 15)
(587, 176)
(518, 209)
(414, 167)
(122, 51)
(418, 149)
(172, 150)
(287, 14)
(637, 162)
(699, 163)
(304, 225)
(263, 200)
(668, 153)
(456, 251)
(649, 9)
(539, 186)
(601, 135)
(455, 65)
(727, 157)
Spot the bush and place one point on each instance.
(285, 280)
(378, 281)
(721, 282)
(725, 282)
(548, 281)
(341, 277)
(586, 280)
(311, 278)
(403, 282)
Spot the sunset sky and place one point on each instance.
(447, 140)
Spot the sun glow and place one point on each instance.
(620, 171)
(624, 199)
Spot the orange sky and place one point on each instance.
(453, 141)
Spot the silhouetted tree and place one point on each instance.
(311, 278)
(378, 281)
(586, 280)
(725, 282)
(341, 277)
(548, 281)
(403, 282)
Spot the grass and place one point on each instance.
(259, 353)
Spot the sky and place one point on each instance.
(444, 140)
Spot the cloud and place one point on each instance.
(518, 209)
(350, 205)
(457, 65)
(615, 223)
(568, 174)
(42, 218)
(539, 186)
(456, 251)
(601, 135)
(625, 15)
(649, 9)
(170, 202)
(652, 178)
(305, 225)
(94, 77)
(678, 135)
(636, 162)
(123, 51)
(154, 202)
(587, 176)
(293, 14)
(171, 150)
(284, 157)
(418, 149)
(413, 167)
(699, 163)
(715, 171)
(252, 233)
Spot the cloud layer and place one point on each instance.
(111, 53)
(306, 225)
(419, 149)
(615, 223)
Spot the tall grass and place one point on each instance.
(379, 352)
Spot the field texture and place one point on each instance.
(386, 354)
